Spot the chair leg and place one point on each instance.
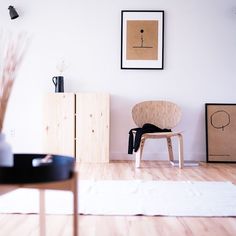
(139, 153)
(137, 159)
(170, 149)
(181, 154)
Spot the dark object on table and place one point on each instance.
(23, 171)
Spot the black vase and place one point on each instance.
(59, 83)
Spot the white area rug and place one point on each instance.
(169, 198)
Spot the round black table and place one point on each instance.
(58, 174)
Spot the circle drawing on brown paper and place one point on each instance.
(220, 119)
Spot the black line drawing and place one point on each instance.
(142, 41)
(220, 119)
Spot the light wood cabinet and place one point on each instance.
(77, 125)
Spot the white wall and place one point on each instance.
(200, 64)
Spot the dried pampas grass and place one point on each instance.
(12, 51)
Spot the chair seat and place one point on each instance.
(161, 135)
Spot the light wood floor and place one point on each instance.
(24, 225)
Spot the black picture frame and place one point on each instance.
(142, 39)
(220, 122)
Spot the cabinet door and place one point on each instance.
(59, 123)
(92, 127)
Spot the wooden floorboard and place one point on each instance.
(24, 225)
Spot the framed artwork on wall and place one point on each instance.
(142, 39)
(220, 132)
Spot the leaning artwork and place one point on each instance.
(220, 132)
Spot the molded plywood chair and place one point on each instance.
(163, 114)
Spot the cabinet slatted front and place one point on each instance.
(77, 125)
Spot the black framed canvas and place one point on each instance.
(220, 132)
(142, 39)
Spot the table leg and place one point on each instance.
(42, 227)
(75, 204)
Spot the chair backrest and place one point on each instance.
(163, 114)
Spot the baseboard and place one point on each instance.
(158, 156)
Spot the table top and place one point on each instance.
(25, 171)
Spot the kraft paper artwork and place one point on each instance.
(142, 40)
(221, 130)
